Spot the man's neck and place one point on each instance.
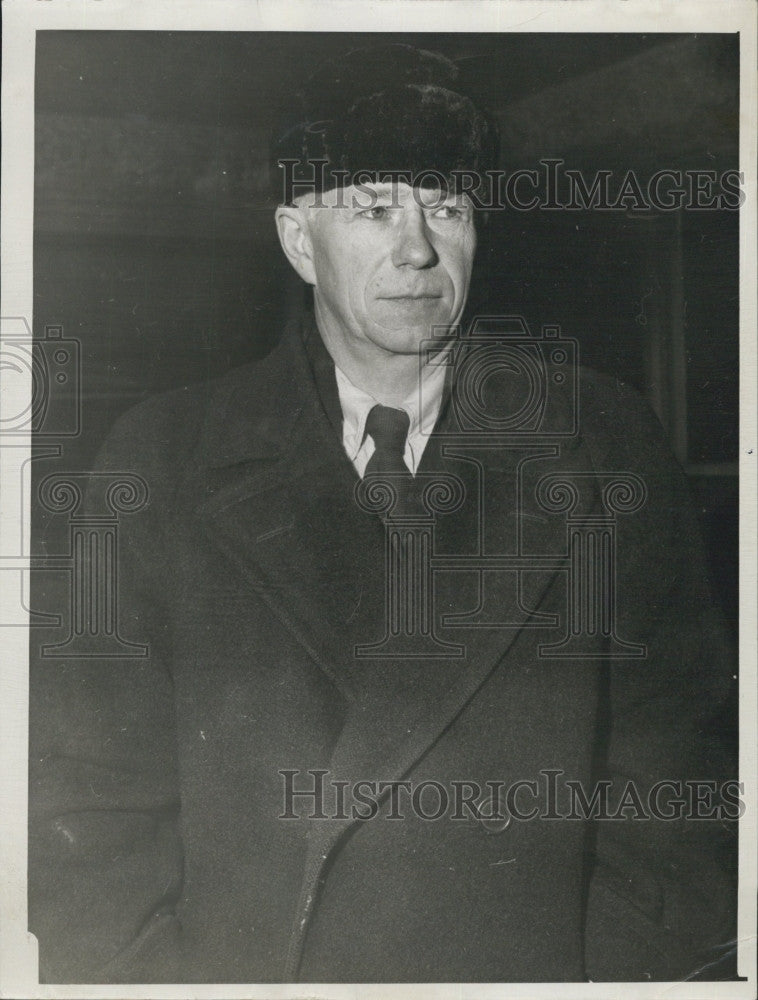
(389, 378)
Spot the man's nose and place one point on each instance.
(412, 245)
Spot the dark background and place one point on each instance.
(155, 245)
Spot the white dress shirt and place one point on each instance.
(422, 406)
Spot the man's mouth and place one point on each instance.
(412, 296)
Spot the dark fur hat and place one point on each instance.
(382, 108)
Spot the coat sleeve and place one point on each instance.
(661, 903)
(105, 858)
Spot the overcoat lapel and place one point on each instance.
(279, 504)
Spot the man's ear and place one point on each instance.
(294, 236)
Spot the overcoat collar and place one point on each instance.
(252, 413)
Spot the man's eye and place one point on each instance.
(377, 212)
(448, 212)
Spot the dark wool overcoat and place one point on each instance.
(158, 847)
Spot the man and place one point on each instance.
(330, 646)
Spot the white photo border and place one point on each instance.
(21, 20)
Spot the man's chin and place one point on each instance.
(410, 340)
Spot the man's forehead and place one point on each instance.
(372, 193)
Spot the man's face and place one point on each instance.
(391, 262)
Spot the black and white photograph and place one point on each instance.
(378, 507)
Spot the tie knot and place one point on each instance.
(389, 428)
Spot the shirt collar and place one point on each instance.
(422, 405)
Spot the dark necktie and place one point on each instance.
(388, 428)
